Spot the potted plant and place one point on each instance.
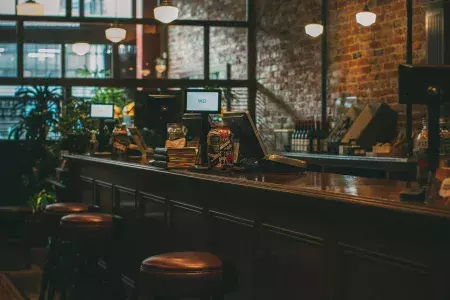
(37, 107)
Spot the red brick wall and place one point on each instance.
(362, 61)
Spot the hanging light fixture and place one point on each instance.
(366, 17)
(115, 33)
(314, 29)
(30, 8)
(166, 12)
(81, 48)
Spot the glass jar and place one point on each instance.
(220, 147)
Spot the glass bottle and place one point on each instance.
(445, 137)
(420, 151)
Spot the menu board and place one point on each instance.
(203, 101)
(103, 111)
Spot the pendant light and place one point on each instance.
(115, 33)
(30, 8)
(81, 48)
(314, 29)
(166, 12)
(366, 17)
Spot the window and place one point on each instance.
(95, 64)
(228, 46)
(127, 61)
(52, 7)
(42, 60)
(8, 7)
(108, 8)
(186, 52)
(9, 118)
(8, 60)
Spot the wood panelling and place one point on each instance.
(284, 245)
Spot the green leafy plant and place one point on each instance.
(37, 107)
(114, 96)
(39, 201)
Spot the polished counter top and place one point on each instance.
(383, 193)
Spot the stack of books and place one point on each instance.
(160, 158)
(182, 157)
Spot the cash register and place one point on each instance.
(202, 108)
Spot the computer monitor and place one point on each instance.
(202, 101)
(102, 111)
(243, 128)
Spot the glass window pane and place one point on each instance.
(186, 52)
(52, 7)
(42, 60)
(94, 64)
(235, 10)
(10, 117)
(7, 7)
(8, 60)
(127, 61)
(108, 8)
(228, 46)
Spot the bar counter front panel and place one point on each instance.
(291, 236)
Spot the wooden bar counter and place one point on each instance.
(291, 236)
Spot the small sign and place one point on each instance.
(445, 188)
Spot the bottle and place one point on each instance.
(445, 137)
(420, 151)
(322, 137)
(294, 138)
(310, 138)
(316, 138)
(305, 140)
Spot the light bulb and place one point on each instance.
(115, 34)
(366, 17)
(166, 12)
(30, 8)
(81, 48)
(314, 29)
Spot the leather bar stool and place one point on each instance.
(90, 237)
(181, 275)
(51, 218)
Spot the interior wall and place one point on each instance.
(363, 61)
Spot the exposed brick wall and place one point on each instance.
(362, 61)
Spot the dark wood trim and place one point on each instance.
(251, 58)
(206, 56)
(20, 43)
(409, 60)
(125, 83)
(69, 8)
(81, 10)
(115, 61)
(324, 56)
(143, 21)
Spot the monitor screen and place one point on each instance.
(102, 111)
(200, 101)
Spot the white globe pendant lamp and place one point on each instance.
(81, 48)
(166, 12)
(314, 29)
(366, 17)
(30, 8)
(115, 33)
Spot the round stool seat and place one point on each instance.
(89, 220)
(67, 208)
(183, 274)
